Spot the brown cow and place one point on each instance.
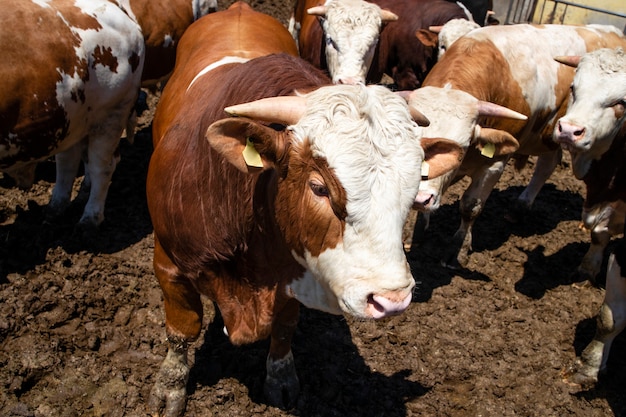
(400, 54)
(301, 200)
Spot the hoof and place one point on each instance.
(168, 396)
(282, 387)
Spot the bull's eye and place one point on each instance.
(318, 189)
(330, 42)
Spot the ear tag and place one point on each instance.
(489, 150)
(425, 169)
(251, 155)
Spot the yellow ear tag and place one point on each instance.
(251, 155)
(488, 150)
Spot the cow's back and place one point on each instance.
(243, 36)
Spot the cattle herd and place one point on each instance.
(289, 159)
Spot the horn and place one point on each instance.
(286, 110)
(317, 11)
(435, 29)
(387, 16)
(570, 60)
(486, 108)
(419, 117)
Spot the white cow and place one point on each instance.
(70, 75)
(345, 38)
(593, 130)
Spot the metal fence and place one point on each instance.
(557, 11)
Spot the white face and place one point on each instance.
(453, 114)
(597, 109)
(369, 142)
(451, 31)
(351, 31)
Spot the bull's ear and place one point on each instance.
(427, 37)
(251, 147)
(495, 142)
(442, 156)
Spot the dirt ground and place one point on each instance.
(82, 325)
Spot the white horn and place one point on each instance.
(317, 11)
(570, 60)
(285, 110)
(387, 16)
(435, 29)
(419, 117)
(486, 108)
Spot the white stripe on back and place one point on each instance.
(223, 61)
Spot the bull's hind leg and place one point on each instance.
(183, 320)
(281, 383)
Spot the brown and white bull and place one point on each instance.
(454, 114)
(70, 74)
(339, 35)
(594, 132)
(300, 199)
(529, 81)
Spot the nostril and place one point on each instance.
(371, 301)
(579, 132)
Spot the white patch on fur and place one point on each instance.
(224, 61)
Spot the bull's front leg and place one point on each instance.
(183, 319)
(169, 393)
(592, 261)
(281, 383)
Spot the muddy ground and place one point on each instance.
(82, 325)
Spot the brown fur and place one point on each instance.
(216, 227)
(400, 54)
